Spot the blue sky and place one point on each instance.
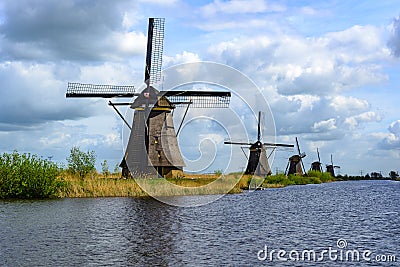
(328, 69)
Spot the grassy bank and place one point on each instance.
(29, 176)
(113, 186)
(281, 180)
(98, 186)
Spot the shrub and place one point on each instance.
(323, 176)
(81, 163)
(28, 176)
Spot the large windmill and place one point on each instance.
(295, 164)
(258, 161)
(331, 168)
(153, 146)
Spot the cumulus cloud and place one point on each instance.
(394, 41)
(184, 57)
(354, 122)
(325, 65)
(31, 95)
(391, 140)
(70, 30)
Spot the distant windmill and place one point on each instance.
(317, 165)
(153, 146)
(258, 161)
(295, 164)
(331, 168)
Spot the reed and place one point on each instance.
(99, 186)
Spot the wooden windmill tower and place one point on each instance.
(317, 165)
(258, 161)
(295, 164)
(331, 168)
(153, 146)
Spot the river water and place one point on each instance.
(237, 230)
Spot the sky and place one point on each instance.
(329, 71)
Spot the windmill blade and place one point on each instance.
(199, 99)
(319, 159)
(298, 147)
(155, 46)
(237, 143)
(301, 155)
(100, 90)
(276, 145)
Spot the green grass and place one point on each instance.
(281, 180)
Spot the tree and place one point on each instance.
(104, 168)
(116, 169)
(376, 175)
(393, 175)
(81, 163)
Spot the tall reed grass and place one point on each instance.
(98, 186)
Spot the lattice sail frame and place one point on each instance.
(99, 90)
(157, 47)
(201, 99)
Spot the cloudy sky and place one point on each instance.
(330, 71)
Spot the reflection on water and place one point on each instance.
(230, 231)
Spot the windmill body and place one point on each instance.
(152, 146)
(331, 168)
(295, 164)
(317, 165)
(258, 163)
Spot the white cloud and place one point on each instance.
(348, 105)
(332, 63)
(370, 116)
(394, 41)
(324, 126)
(391, 140)
(185, 57)
(160, 2)
(240, 7)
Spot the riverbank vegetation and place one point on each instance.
(29, 176)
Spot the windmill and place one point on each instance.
(317, 165)
(331, 168)
(258, 161)
(153, 146)
(295, 164)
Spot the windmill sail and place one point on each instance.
(155, 46)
